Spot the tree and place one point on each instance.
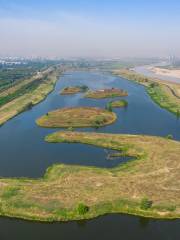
(109, 107)
(145, 204)
(82, 209)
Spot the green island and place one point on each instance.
(144, 186)
(106, 93)
(165, 94)
(77, 117)
(27, 93)
(74, 90)
(118, 104)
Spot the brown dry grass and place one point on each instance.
(77, 117)
(155, 175)
(106, 93)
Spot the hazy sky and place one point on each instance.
(89, 28)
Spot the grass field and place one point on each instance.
(106, 93)
(77, 117)
(165, 94)
(65, 189)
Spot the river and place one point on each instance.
(25, 154)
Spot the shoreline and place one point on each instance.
(163, 93)
(166, 72)
(31, 98)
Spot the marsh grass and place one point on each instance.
(165, 94)
(77, 117)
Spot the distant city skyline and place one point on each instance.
(80, 28)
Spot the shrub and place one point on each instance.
(84, 88)
(153, 84)
(170, 136)
(125, 103)
(109, 107)
(70, 129)
(82, 209)
(145, 204)
(99, 121)
(171, 208)
(178, 114)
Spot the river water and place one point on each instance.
(25, 154)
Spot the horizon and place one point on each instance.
(83, 29)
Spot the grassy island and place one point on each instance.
(165, 94)
(74, 90)
(27, 93)
(147, 186)
(106, 93)
(118, 104)
(77, 117)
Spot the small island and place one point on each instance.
(106, 93)
(118, 104)
(77, 118)
(74, 89)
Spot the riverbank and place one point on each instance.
(78, 192)
(165, 94)
(28, 93)
(166, 72)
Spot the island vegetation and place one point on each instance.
(77, 117)
(144, 186)
(106, 93)
(117, 104)
(165, 94)
(74, 90)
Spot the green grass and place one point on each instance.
(165, 94)
(159, 96)
(118, 104)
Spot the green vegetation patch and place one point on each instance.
(74, 90)
(165, 94)
(77, 117)
(159, 94)
(119, 103)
